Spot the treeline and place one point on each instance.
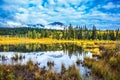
(80, 33)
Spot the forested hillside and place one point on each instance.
(70, 33)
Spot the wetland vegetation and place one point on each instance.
(71, 54)
(107, 67)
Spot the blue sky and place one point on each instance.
(102, 13)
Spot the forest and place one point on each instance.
(70, 33)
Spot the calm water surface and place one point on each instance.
(59, 57)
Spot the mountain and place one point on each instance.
(56, 24)
(35, 25)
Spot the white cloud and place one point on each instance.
(42, 21)
(22, 10)
(110, 5)
(22, 17)
(60, 10)
(82, 8)
(37, 14)
(10, 23)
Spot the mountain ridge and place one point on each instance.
(53, 25)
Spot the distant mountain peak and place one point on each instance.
(40, 25)
(36, 25)
(56, 23)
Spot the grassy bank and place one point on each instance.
(107, 67)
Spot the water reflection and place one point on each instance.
(45, 55)
(42, 58)
(40, 47)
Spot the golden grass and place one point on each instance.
(84, 43)
(87, 45)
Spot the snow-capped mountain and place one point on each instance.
(35, 25)
(55, 25)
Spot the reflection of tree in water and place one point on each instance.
(74, 49)
(4, 47)
(71, 48)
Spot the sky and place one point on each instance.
(101, 13)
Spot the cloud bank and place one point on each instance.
(102, 13)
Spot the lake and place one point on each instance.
(41, 54)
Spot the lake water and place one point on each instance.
(68, 57)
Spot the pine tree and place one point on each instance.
(117, 34)
(34, 35)
(94, 33)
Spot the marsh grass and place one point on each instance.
(17, 57)
(108, 66)
(31, 71)
(78, 62)
(3, 57)
(71, 74)
(50, 64)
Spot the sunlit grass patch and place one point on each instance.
(107, 67)
(86, 43)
